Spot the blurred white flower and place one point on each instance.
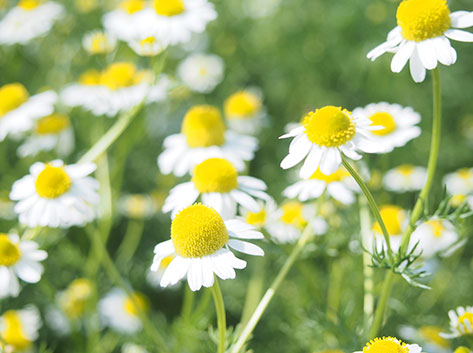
(262, 218)
(245, 113)
(123, 23)
(19, 329)
(148, 46)
(137, 206)
(201, 72)
(435, 236)
(98, 42)
(429, 336)
(395, 219)
(404, 178)
(154, 277)
(133, 348)
(461, 322)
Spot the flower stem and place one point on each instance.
(221, 320)
(368, 271)
(382, 303)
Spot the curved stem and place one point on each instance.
(221, 320)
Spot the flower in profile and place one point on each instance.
(389, 345)
(324, 135)
(244, 112)
(18, 111)
(18, 259)
(422, 36)
(461, 322)
(56, 195)
(52, 132)
(203, 135)
(217, 183)
(398, 124)
(405, 177)
(99, 42)
(435, 236)
(147, 46)
(121, 312)
(261, 219)
(338, 185)
(19, 329)
(201, 72)
(28, 20)
(395, 219)
(460, 185)
(201, 242)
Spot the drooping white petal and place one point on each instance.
(402, 56)
(427, 53)
(245, 247)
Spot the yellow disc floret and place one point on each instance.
(136, 303)
(242, 105)
(339, 175)
(329, 126)
(215, 175)
(169, 7)
(52, 182)
(293, 214)
(437, 227)
(11, 97)
(203, 127)
(29, 4)
(90, 78)
(119, 75)
(405, 170)
(52, 124)
(132, 6)
(466, 321)
(13, 332)
(385, 120)
(10, 253)
(257, 219)
(386, 345)
(393, 217)
(198, 231)
(462, 349)
(76, 297)
(432, 334)
(423, 19)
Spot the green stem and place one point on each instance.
(382, 304)
(368, 299)
(188, 303)
(221, 320)
(131, 240)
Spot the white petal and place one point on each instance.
(294, 158)
(462, 19)
(311, 163)
(245, 247)
(443, 51)
(207, 272)
(402, 56)
(194, 276)
(294, 132)
(418, 71)
(461, 36)
(245, 200)
(427, 54)
(331, 162)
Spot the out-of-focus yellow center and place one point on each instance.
(462, 349)
(90, 78)
(339, 175)
(385, 120)
(242, 105)
(393, 217)
(215, 175)
(198, 231)
(119, 75)
(75, 298)
(52, 182)
(431, 333)
(169, 7)
(458, 199)
(462, 321)
(466, 174)
(13, 332)
(12, 96)
(137, 206)
(437, 227)
(386, 345)
(136, 303)
(10, 253)
(257, 219)
(99, 43)
(293, 214)
(132, 6)
(203, 127)
(423, 19)
(166, 261)
(329, 126)
(29, 4)
(405, 170)
(52, 124)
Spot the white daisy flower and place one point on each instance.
(56, 195)
(429, 336)
(18, 259)
(338, 185)
(324, 135)
(18, 110)
(288, 222)
(19, 329)
(201, 72)
(147, 46)
(217, 183)
(74, 300)
(137, 206)
(422, 36)
(245, 113)
(133, 348)
(436, 236)
(99, 42)
(460, 182)
(203, 135)
(28, 20)
(390, 345)
(263, 217)
(123, 23)
(154, 277)
(398, 124)
(121, 312)
(53, 132)
(395, 219)
(461, 322)
(201, 242)
(404, 178)
(117, 89)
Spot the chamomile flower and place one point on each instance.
(28, 20)
(203, 135)
(429, 336)
(18, 110)
(201, 242)
(147, 46)
(395, 219)
(56, 195)
(75, 299)
(19, 329)
(422, 36)
(404, 178)
(201, 72)
(338, 185)
(324, 135)
(154, 277)
(288, 222)
(263, 217)
(435, 236)
(461, 322)
(460, 182)
(137, 206)
(98, 42)
(217, 183)
(244, 112)
(398, 124)
(124, 22)
(390, 345)
(53, 132)
(121, 312)
(18, 259)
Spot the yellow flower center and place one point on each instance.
(386, 345)
(13, 333)
(431, 333)
(119, 75)
(466, 174)
(148, 41)
(29, 4)
(423, 19)
(11, 97)
(136, 303)
(99, 43)
(132, 6)
(458, 199)
(242, 105)
(90, 78)
(293, 214)
(52, 124)
(9, 253)
(393, 217)
(257, 219)
(198, 231)
(405, 170)
(462, 349)
(169, 7)
(385, 120)
(329, 126)
(437, 227)
(463, 319)
(76, 297)
(215, 175)
(137, 206)
(203, 127)
(166, 261)
(339, 175)
(52, 182)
